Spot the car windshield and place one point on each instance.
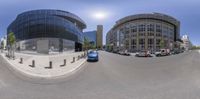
(92, 52)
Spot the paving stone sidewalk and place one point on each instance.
(46, 66)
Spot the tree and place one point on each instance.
(86, 43)
(108, 47)
(162, 44)
(92, 46)
(2, 46)
(11, 42)
(195, 47)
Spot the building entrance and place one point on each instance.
(43, 46)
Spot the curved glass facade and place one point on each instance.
(40, 24)
(91, 36)
(143, 32)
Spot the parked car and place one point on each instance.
(124, 53)
(92, 56)
(115, 51)
(177, 51)
(127, 54)
(143, 54)
(173, 52)
(120, 52)
(162, 52)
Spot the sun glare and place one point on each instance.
(100, 15)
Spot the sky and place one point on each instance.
(107, 12)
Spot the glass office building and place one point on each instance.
(45, 31)
(95, 37)
(144, 32)
(91, 36)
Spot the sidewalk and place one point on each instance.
(43, 68)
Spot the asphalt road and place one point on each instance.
(113, 77)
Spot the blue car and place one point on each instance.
(92, 56)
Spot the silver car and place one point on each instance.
(143, 54)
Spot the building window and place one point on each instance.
(141, 34)
(158, 41)
(141, 28)
(150, 41)
(151, 34)
(150, 27)
(133, 42)
(133, 35)
(133, 45)
(158, 34)
(158, 28)
(134, 29)
(142, 43)
(126, 44)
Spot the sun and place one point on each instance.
(100, 15)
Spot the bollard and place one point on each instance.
(85, 55)
(50, 65)
(21, 61)
(78, 57)
(33, 63)
(82, 56)
(73, 60)
(64, 63)
(13, 57)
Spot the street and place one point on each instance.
(112, 77)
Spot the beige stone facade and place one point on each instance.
(143, 32)
(99, 36)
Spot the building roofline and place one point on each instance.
(158, 16)
(68, 14)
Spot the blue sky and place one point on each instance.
(186, 11)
